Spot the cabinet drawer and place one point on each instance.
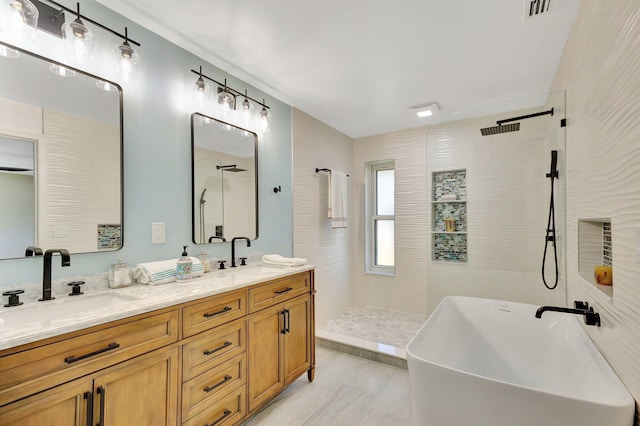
(279, 290)
(227, 411)
(213, 312)
(213, 347)
(203, 390)
(24, 373)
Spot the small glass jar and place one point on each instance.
(206, 263)
(119, 275)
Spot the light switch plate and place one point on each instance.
(158, 235)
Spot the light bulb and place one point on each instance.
(127, 61)
(78, 42)
(202, 91)
(246, 109)
(7, 52)
(21, 21)
(106, 86)
(264, 120)
(61, 71)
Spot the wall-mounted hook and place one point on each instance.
(277, 189)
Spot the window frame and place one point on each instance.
(371, 201)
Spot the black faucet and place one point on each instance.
(32, 251)
(233, 248)
(213, 237)
(46, 275)
(590, 317)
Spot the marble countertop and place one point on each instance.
(35, 320)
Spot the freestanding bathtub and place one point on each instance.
(492, 363)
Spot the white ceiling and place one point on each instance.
(358, 65)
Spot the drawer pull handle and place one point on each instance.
(286, 290)
(71, 359)
(213, 314)
(224, 345)
(89, 397)
(225, 380)
(103, 394)
(224, 416)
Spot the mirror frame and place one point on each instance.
(120, 133)
(193, 175)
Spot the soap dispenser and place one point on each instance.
(184, 267)
(119, 275)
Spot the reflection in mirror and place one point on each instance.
(225, 181)
(60, 158)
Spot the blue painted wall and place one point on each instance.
(158, 103)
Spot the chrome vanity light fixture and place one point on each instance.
(202, 89)
(227, 98)
(78, 40)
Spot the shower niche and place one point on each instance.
(449, 216)
(595, 253)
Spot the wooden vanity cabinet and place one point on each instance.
(281, 338)
(211, 361)
(137, 392)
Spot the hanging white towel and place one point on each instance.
(338, 199)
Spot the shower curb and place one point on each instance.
(361, 353)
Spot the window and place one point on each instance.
(380, 211)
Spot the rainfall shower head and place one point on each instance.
(231, 168)
(511, 127)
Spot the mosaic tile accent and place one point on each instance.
(607, 249)
(376, 325)
(444, 210)
(450, 247)
(109, 237)
(450, 182)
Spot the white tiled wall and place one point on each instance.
(407, 290)
(507, 209)
(599, 70)
(316, 145)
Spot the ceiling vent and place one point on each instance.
(533, 8)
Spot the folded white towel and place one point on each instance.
(338, 199)
(276, 259)
(163, 271)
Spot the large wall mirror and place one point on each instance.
(225, 181)
(60, 157)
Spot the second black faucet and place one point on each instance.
(46, 274)
(233, 248)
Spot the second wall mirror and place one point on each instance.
(224, 181)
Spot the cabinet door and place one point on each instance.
(297, 340)
(64, 405)
(142, 391)
(266, 377)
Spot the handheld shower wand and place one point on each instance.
(550, 236)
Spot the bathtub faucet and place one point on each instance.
(582, 308)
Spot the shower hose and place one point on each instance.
(551, 228)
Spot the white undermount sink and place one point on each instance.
(63, 307)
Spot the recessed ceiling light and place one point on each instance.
(426, 110)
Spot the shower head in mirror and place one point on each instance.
(231, 168)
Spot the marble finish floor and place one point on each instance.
(347, 391)
(377, 325)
